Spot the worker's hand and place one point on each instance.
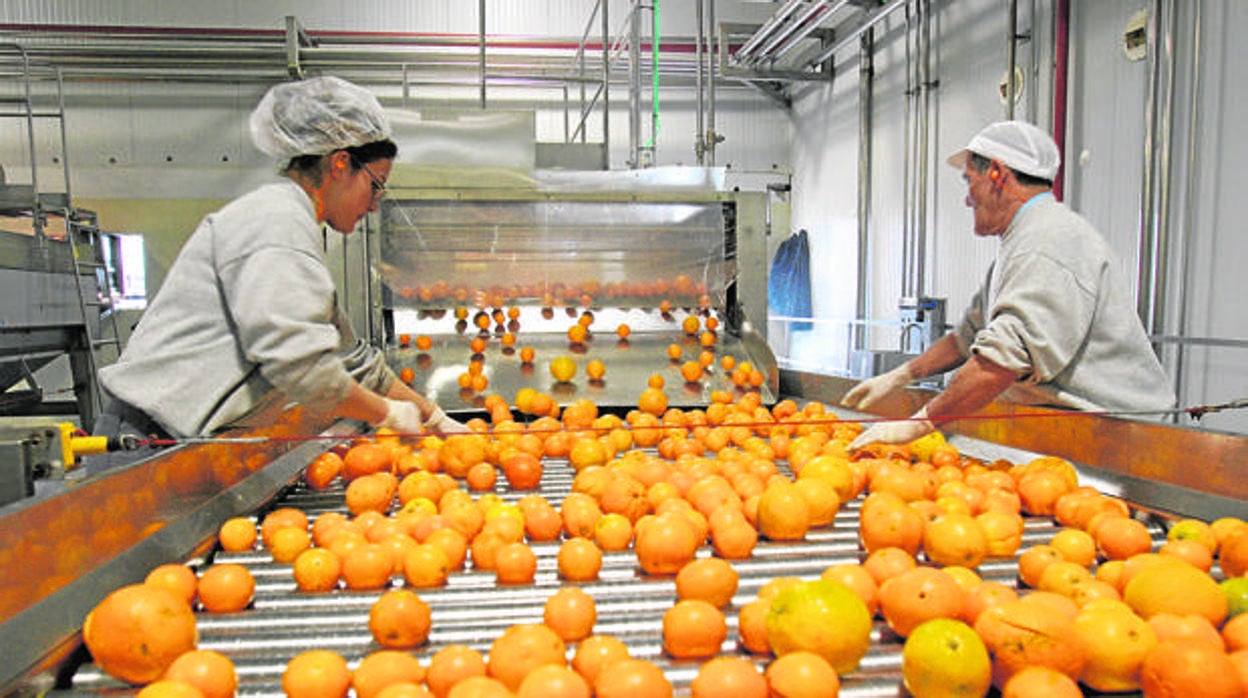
(440, 423)
(871, 390)
(895, 432)
(401, 416)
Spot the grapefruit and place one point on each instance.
(820, 616)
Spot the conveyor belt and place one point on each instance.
(473, 609)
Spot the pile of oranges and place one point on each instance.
(1099, 605)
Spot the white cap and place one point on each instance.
(1018, 145)
(316, 116)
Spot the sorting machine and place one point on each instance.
(110, 530)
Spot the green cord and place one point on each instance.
(654, 48)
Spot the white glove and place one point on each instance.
(896, 432)
(440, 423)
(871, 390)
(401, 416)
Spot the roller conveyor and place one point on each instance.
(473, 608)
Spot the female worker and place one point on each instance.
(249, 305)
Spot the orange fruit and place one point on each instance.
(383, 668)
(596, 652)
(279, 519)
(1189, 669)
(666, 544)
(424, 342)
(1020, 634)
(451, 665)
(367, 566)
(613, 532)
(709, 579)
(137, 631)
(1115, 643)
(783, 513)
(1194, 530)
(176, 578)
(802, 675)
(527, 354)
(317, 570)
(571, 613)
(1034, 560)
(426, 567)
(944, 657)
(399, 619)
(1190, 551)
(1041, 682)
(983, 595)
(579, 560)
(1176, 588)
(955, 539)
(515, 563)
(691, 371)
(1189, 627)
(170, 688)
(1075, 545)
(632, 678)
(886, 522)
(858, 579)
(595, 370)
(237, 535)
(563, 368)
(752, 626)
(652, 401)
(522, 648)
(919, 595)
(211, 672)
(623, 330)
(729, 677)
(1119, 537)
(693, 628)
(365, 459)
(324, 469)
(550, 681)
(286, 544)
(317, 674)
(1235, 633)
(452, 543)
(886, 563)
(226, 588)
(734, 541)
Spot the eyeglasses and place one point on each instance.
(378, 186)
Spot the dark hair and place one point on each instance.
(360, 155)
(980, 163)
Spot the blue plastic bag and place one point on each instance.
(788, 286)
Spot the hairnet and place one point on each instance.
(316, 116)
(1020, 146)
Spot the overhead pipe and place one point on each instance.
(712, 137)
(873, 18)
(794, 32)
(782, 15)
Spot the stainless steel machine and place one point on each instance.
(514, 243)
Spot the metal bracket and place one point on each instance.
(296, 38)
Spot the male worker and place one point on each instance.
(1054, 322)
